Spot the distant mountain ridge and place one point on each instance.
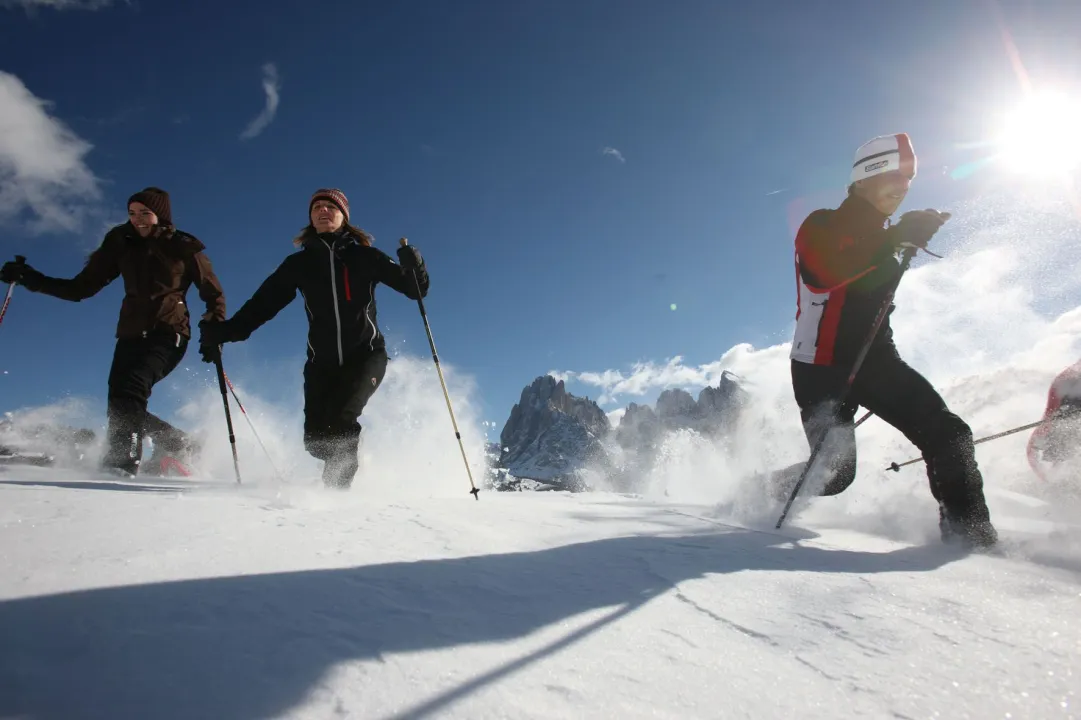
(556, 438)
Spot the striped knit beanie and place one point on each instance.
(885, 153)
(335, 196)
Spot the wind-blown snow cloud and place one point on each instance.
(42, 166)
(272, 88)
(58, 4)
(614, 153)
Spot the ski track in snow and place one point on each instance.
(225, 602)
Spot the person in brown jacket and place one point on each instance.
(158, 264)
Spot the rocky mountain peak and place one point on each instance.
(552, 434)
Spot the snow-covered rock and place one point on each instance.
(559, 439)
(552, 435)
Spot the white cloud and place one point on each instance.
(562, 376)
(614, 153)
(42, 167)
(644, 377)
(57, 4)
(272, 87)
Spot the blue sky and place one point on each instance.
(572, 171)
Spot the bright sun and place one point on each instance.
(1043, 136)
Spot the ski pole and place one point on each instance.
(19, 260)
(446, 396)
(909, 253)
(896, 467)
(252, 426)
(228, 415)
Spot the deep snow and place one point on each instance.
(127, 601)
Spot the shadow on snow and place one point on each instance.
(254, 646)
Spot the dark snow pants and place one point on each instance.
(334, 398)
(139, 364)
(902, 397)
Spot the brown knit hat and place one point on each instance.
(157, 200)
(335, 196)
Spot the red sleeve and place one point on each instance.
(829, 258)
(1053, 402)
(1064, 385)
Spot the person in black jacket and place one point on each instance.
(335, 271)
(845, 267)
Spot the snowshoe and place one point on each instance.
(20, 458)
(169, 466)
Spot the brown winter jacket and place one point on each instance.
(157, 273)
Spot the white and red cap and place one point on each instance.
(885, 153)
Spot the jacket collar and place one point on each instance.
(859, 215)
(160, 232)
(337, 240)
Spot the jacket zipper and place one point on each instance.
(334, 292)
(144, 288)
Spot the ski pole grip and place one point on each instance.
(412, 263)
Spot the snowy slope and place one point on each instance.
(123, 603)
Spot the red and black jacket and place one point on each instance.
(336, 275)
(845, 264)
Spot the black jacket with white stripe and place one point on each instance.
(336, 274)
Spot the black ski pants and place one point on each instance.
(139, 363)
(334, 398)
(895, 392)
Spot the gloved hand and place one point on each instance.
(21, 273)
(210, 353)
(917, 227)
(212, 335)
(409, 257)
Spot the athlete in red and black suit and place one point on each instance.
(846, 265)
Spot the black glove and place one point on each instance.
(210, 353)
(21, 273)
(409, 257)
(917, 227)
(213, 334)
